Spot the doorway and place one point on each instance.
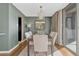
(19, 28)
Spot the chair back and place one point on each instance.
(53, 35)
(54, 38)
(40, 43)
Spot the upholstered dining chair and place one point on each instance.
(53, 36)
(29, 38)
(40, 44)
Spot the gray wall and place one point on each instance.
(13, 22)
(8, 25)
(4, 26)
(77, 31)
(32, 20)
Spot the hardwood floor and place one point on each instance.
(64, 50)
(15, 50)
(21, 46)
(58, 51)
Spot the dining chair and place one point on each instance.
(40, 44)
(29, 38)
(53, 41)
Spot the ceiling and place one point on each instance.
(32, 9)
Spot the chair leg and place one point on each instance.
(35, 53)
(46, 53)
(51, 50)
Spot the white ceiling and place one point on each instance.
(32, 9)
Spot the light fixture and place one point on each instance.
(40, 22)
(41, 14)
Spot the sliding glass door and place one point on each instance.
(71, 32)
(69, 28)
